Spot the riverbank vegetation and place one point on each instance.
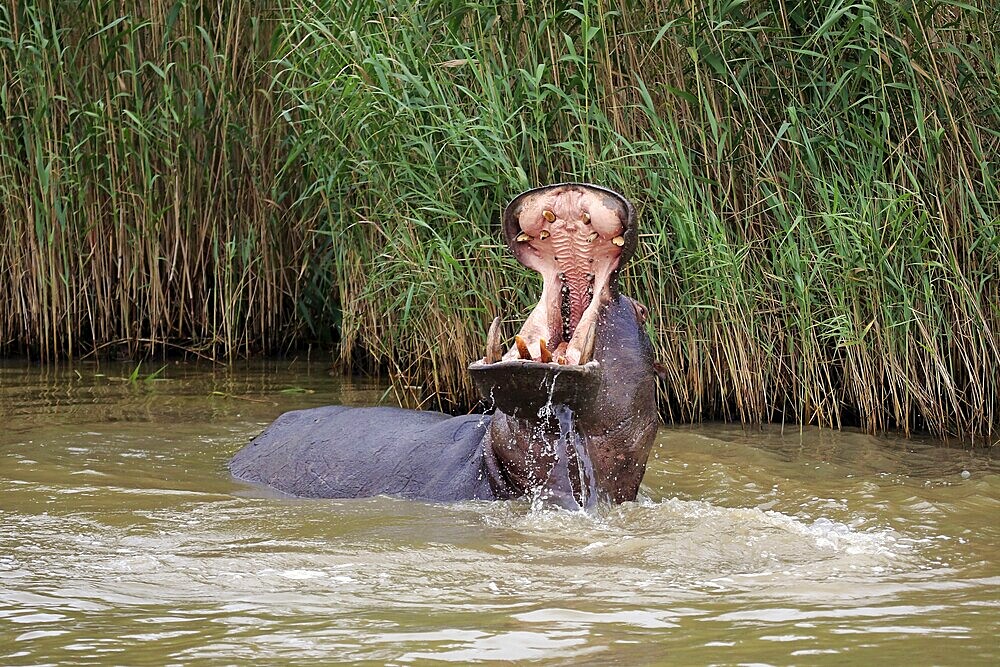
(816, 180)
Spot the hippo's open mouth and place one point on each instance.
(577, 237)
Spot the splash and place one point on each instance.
(569, 455)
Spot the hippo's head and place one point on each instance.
(574, 394)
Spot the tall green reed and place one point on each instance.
(139, 186)
(817, 183)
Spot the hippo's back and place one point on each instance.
(341, 452)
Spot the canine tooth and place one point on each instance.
(546, 356)
(548, 215)
(522, 348)
(522, 237)
(493, 342)
(587, 353)
(618, 241)
(592, 237)
(544, 235)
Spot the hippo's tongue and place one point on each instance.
(576, 236)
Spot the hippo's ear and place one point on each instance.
(641, 312)
(641, 315)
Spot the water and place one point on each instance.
(569, 452)
(124, 541)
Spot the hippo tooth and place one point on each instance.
(548, 215)
(562, 361)
(545, 356)
(544, 234)
(587, 353)
(493, 342)
(522, 348)
(522, 237)
(586, 218)
(618, 241)
(592, 237)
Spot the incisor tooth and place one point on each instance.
(592, 237)
(548, 215)
(545, 356)
(562, 361)
(544, 235)
(522, 348)
(618, 241)
(586, 218)
(522, 237)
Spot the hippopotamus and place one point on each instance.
(573, 396)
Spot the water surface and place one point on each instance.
(124, 541)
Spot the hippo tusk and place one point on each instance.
(587, 353)
(493, 353)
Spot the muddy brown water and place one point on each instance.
(124, 541)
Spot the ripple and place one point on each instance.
(120, 532)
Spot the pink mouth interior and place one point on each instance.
(573, 237)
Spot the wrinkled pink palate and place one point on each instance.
(573, 237)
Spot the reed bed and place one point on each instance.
(817, 184)
(140, 194)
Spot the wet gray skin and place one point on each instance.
(574, 394)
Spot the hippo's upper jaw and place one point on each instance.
(576, 237)
(582, 347)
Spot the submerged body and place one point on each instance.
(341, 452)
(575, 395)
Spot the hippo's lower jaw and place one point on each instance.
(569, 433)
(574, 394)
(524, 388)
